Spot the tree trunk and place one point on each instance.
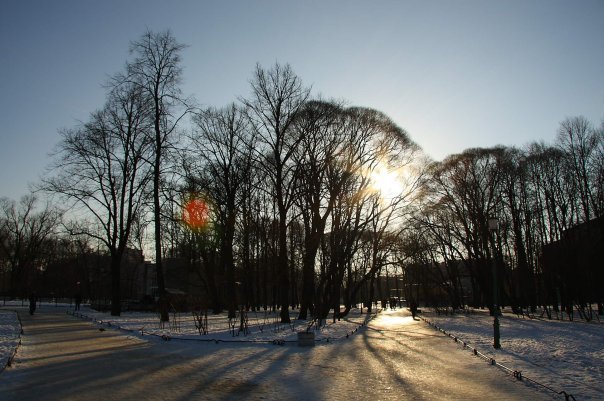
(116, 298)
(161, 286)
(283, 271)
(227, 262)
(312, 243)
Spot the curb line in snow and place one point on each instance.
(515, 373)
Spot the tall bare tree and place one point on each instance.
(320, 180)
(220, 157)
(156, 70)
(277, 96)
(369, 214)
(100, 168)
(514, 191)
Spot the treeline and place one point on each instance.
(282, 199)
(537, 194)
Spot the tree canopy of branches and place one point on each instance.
(101, 167)
(25, 234)
(277, 97)
(284, 200)
(156, 72)
(218, 163)
(538, 194)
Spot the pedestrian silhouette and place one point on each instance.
(413, 307)
(78, 300)
(32, 303)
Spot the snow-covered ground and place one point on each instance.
(562, 355)
(256, 326)
(10, 334)
(558, 355)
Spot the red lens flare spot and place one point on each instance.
(195, 213)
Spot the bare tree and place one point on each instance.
(277, 97)
(220, 159)
(598, 179)
(582, 145)
(551, 207)
(319, 181)
(515, 187)
(156, 70)
(24, 230)
(466, 190)
(369, 147)
(100, 168)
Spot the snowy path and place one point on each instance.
(63, 358)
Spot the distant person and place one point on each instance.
(32, 303)
(413, 307)
(78, 301)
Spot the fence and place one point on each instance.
(513, 372)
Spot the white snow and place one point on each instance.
(559, 355)
(562, 355)
(10, 334)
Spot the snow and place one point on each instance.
(555, 355)
(261, 326)
(10, 334)
(561, 355)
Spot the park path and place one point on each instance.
(395, 358)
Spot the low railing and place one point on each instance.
(513, 372)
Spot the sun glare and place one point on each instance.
(386, 182)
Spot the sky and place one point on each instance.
(453, 74)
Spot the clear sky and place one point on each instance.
(454, 74)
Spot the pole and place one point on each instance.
(493, 227)
(496, 333)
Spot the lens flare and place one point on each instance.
(196, 213)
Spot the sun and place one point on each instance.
(386, 182)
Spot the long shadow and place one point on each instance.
(182, 371)
(437, 374)
(262, 371)
(238, 379)
(385, 357)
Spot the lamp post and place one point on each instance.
(493, 228)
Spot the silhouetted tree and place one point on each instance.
(25, 231)
(156, 71)
(101, 168)
(320, 179)
(582, 145)
(277, 97)
(220, 161)
(466, 191)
